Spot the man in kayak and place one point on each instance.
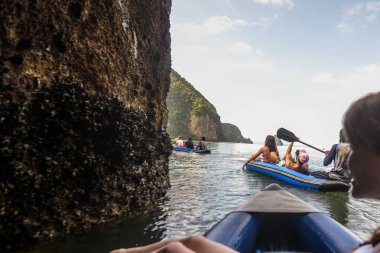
(340, 154)
(189, 144)
(298, 164)
(179, 142)
(202, 145)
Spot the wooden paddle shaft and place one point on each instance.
(311, 146)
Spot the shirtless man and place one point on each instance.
(300, 165)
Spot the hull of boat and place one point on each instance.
(275, 223)
(190, 150)
(297, 179)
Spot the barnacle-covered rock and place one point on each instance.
(82, 113)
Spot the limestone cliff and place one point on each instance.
(190, 113)
(82, 113)
(233, 134)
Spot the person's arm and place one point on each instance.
(330, 156)
(288, 157)
(198, 244)
(289, 150)
(258, 153)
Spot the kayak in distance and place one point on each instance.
(298, 179)
(191, 150)
(277, 221)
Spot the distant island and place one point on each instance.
(278, 141)
(192, 115)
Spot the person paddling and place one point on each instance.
(339, 153)
(298, 164)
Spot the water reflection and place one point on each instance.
(204, 188)
(137, 229)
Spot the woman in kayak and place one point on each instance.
(269, 152)
(362, 126)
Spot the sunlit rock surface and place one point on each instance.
(82, 113)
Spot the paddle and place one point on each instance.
(286, 135)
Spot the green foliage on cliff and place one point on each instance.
(183, 101)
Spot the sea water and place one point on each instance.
(204, 188)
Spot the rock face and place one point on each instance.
(190, 113)
(82, 113)
(233, 134)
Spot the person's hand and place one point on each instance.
(326, 151)
(193, 244)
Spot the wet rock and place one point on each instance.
(67, 161)
(82, 113)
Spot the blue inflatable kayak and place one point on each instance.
(297, 179)
(277, 221)
(200, 151)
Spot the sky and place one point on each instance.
(266, 64)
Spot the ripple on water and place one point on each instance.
(204, 188)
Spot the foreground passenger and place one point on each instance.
(191, 244)
(362, 127)
(339, 153)
(269, 152)
(298, 164)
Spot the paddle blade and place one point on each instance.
(286, 135)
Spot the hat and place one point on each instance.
(303, 156)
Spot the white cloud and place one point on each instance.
(373, 6)
(240, 47)
(212, 25)
(288, 3)
(355, 83)
(344, 26)
(372, 18)
(359, 15)
(261, 66)
(222, 23)
(322, 77)
(259, 52)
